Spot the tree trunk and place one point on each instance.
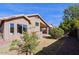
(29, 53)
(78, 33)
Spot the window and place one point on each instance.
(36, 24)
(24, 28)
(19, 28)
(11, 28)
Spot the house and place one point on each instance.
(12, 27)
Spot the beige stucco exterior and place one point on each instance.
(6, 32)
(37, 19)
(33, 20)
(31, 27)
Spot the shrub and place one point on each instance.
(27, 45)
(56, 32)
(30, 43)
(73, 33)
(14, 44)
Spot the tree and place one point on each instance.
(71, 12)
(76, 23)
(74, 29)
(27, 45)
(56, 32)
(65, 25)
(71, 15)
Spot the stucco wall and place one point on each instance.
(33, 20)
(35, 28)
(8, 35)
(30, 27)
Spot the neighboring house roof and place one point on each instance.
(22, 16)
(50, 25)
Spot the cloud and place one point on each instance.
(5, 15)
(21, 8)
(56, 16)
(54, 19)
(49, 13)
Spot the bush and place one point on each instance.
(73, 33)
(14, 44)
(27, 45)
(56, 32)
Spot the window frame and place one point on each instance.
(18, 30)
(13, 28)
(24, 25)
(21, 28)
(36, 23)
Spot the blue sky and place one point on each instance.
(51, 12)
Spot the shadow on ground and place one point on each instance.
(48, 37)
(64, 46)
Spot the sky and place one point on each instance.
(52, 13)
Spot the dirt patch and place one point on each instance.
(44, 42)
